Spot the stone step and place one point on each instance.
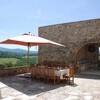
(9, 98)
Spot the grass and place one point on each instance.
(13, 62)
(7, 60)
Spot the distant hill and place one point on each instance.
(5, 54)
(19, 51)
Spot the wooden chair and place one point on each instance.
(33, 72)
(43, 73)
(70, 76)
(37, 71)
(51, 75)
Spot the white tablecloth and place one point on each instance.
(61, 72)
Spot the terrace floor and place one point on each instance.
(86, 87)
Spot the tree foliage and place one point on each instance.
(4, 54)
(11, 59)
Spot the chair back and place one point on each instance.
(71, 72)
(51, 72)
(43, 71)
(34, 71)
(38, 70)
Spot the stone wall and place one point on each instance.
(74, 35)
(13, 71)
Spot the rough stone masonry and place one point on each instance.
(74, 35)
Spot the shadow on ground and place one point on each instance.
(30, 87)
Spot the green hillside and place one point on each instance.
(18, 51)
(14, 62)
(11, 59)
(4, 54)
(7, 60)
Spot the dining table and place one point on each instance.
(61, 72)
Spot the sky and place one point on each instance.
(23, 16)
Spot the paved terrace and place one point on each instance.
(86, 87)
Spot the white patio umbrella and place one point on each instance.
(29, 40)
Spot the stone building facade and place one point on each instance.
(82, 41)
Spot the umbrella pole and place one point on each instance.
(28, 58)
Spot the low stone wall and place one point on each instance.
(13, 71)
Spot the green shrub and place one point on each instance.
(9, 64)
(13, 62)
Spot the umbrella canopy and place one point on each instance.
(29, 40)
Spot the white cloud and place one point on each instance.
(39, 14)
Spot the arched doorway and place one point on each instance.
(87, 56)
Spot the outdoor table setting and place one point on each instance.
(61, 72)
(58, 74)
